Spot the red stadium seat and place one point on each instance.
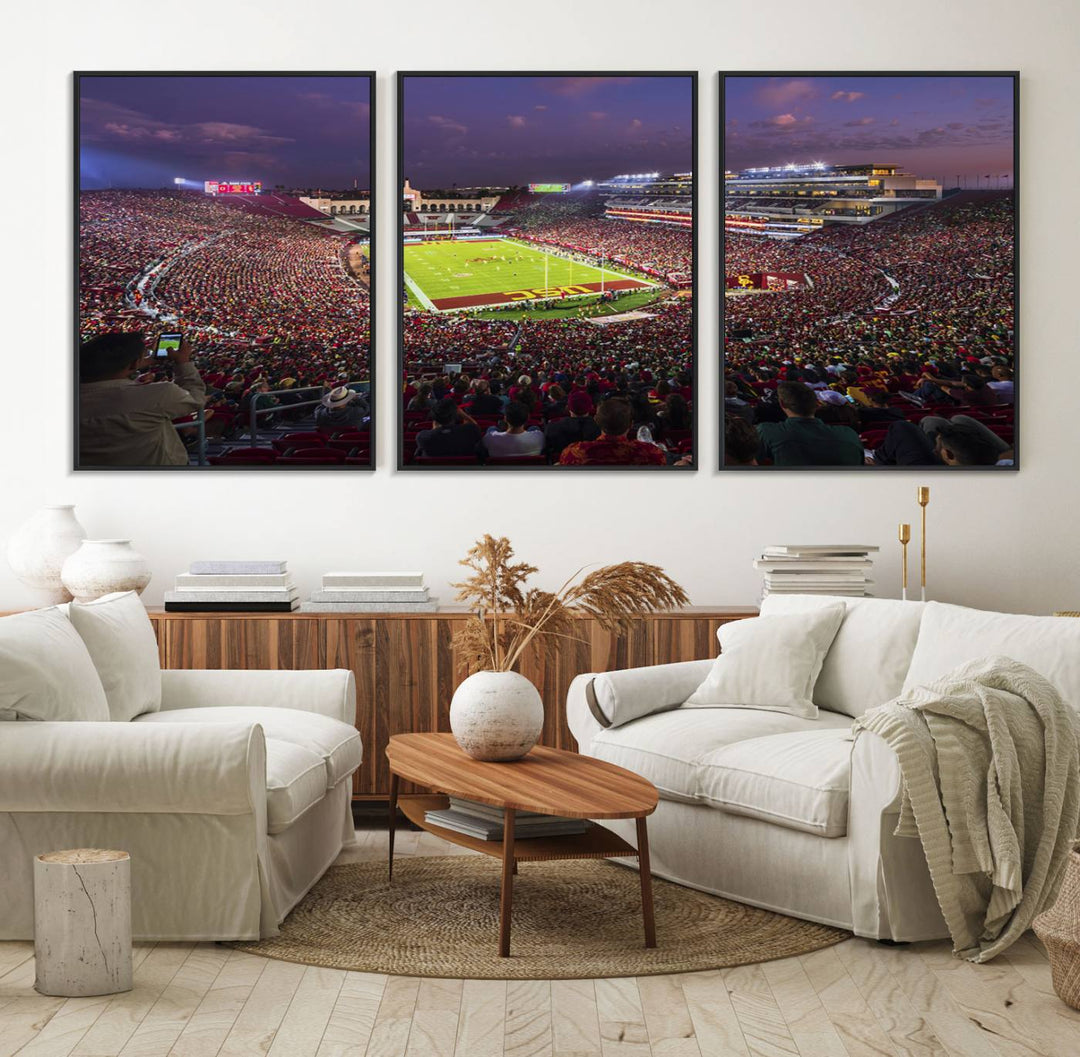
(291, 441)
(313, 455)
(244, 456)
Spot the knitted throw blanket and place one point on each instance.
(990, 761)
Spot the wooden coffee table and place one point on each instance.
(549, 781)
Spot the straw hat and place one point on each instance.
(338, 397)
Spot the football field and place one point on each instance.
(443, 276)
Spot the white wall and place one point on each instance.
(1004, 541)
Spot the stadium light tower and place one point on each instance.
(178, 180)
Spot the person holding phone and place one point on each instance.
(123, 422)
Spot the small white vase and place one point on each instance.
(496, 715)
(100, 567)
(37, 551)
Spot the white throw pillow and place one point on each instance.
(45, 670)
(871, 654)
(121, 641)
(770, 662)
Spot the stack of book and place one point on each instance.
(486, 822)
(234, 587)
(371, 593)
(817, 569)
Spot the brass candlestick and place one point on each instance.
(904, 535)
(923, 496)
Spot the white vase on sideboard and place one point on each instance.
(37, 551)
(496, 715)
(100, 567)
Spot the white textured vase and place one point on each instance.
(100, 567)
(38, 550)
(496, 715)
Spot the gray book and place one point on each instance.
(370, 607)
(242, 568)
(347, 579)
(226, 595)
(362, 594)
(243, 581)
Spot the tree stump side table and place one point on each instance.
(82, 922)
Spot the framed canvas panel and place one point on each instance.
(546, 246)
(224, 233)
(870, 279)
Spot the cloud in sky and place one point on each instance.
(777, 93)
(840, 96)
(575, 87)
(448, 124)
(860, 122)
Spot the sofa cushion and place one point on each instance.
(622, 696)
(953, 635)
(336, 743)
(669, 748)
(799, 780)
(870, 656)
(770, 662)
(45, 670)
(295, 780)
(121, 641)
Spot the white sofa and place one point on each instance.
(794, 814)
(232, 793)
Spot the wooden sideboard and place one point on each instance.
(406, 666)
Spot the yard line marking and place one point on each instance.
(418, 293)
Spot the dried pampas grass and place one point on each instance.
(507, 615)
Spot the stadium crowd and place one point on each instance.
(267, 301)
(899, 324)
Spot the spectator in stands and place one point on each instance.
(740, 442)
(516, 439)
(483, 401)
(127, 423)
(1002, 383)
(613, 448)
(423, 400)
(579, 426)
(455, 432)
(958, 445)
(802, 439)
(341, 408)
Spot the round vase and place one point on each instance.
(37, 551)
(496, 715)
(101, 567)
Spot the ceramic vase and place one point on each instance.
(100, 567)
(38, 550)
(496, 715)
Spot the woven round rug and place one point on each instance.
(571, 919)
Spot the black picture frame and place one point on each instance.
(401, 464)
(78, 76)
(1014, 76)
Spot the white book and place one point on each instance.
(246, 582)
(822, 548)
(347, 579)
(370, 607)
(813, 568)
(224, 594)
(227, 567)
(364, 594)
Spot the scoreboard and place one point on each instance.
(224, 187)
(549, 189)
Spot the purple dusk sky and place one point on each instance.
(474, 131)
(298, 131)
(933, 126)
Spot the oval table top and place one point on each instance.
(548, 781)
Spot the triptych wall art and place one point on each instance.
(546, 295)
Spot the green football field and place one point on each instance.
(445, 276)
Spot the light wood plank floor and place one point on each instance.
(857, 999)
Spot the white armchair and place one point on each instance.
(232, 799)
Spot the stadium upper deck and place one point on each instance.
(650, 198)
(792, 200)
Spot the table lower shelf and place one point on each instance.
(595, 843)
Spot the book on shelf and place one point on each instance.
(851, 568)
(370, 607)
(489, 829)
(244, 581)
(382, 580)
(231, 607)
(367, 594)
(809, 549)
(257, 567)
(226, 594)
